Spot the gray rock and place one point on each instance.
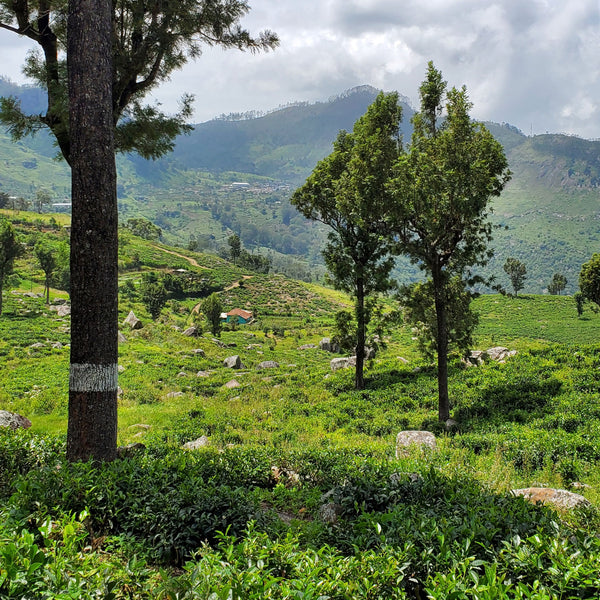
(402, 360)
(133, 321)
(199, 352)
(234, 383)
(13, 420)
(182, 374)
(130, 450)
(561, 499)
(202, 374)
(233, 362)
(37, 345)
(121, 338)
(174, 394)
(120, 369)
(327, 345)
(406, 439)
(201, 442)
(339, 363)
(307, 347)
(330, 512)
(57, 345)
(268, 364)
(63, 311)
(191, 331)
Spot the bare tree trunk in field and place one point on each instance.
(92, 429)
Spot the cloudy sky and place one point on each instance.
(532, 63)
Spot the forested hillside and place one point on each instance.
(235, 174)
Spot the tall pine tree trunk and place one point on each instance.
(359, 382)
(442, 344)
(92, 429)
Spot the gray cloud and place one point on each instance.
(532, 63)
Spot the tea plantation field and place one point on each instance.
(297, 492)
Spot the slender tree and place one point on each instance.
(46, 255)
(442, 190)
(212, 309)
(9, 250)
(348, 191)
(235, 247)
(557, 284)
(517, 273)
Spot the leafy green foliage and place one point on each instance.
(517, 273)
(557, 284)
(589, 279)
(212, 309)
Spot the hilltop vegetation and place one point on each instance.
(246, 516)
(549, 209)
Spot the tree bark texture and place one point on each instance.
(359, 382)
(92, 428)
(442, 345)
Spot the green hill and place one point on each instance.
(236, 174)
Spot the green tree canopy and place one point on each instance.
(212, 309)
(557, 284)
(348, 190)
(517, 273)
(589, 279)
(10, 248)
(151, 39)
(442, 189)
(46, 254)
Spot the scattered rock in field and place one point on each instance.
(497, 354)
(202, 374)
(182, 374)
(330, 512)
(57, 345)
(451, 424)
(175, 328)
(139, 426)
(327, 345)
(130, 450)
(402, 360)
(37, 345)
(13, 420)
(339, 363)
(234, 383)
(58, 302)
(133, 321)
(233, 362)
(254, 347)
(201, 442)
(121, 338)
(580, 486)
(174, 394)
(120, 368)
(119, 392)
(219, 343)
(406, 439)
(559, 498)
(307, 347)
(199, 352)
(268, 364)
(191, 331)
(63, 311)
(288, 477)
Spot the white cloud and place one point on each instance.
(533, 63)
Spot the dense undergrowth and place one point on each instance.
(299, 493)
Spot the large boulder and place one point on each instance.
(561, 499)
(233, 362)
(329, 346)
(191, 331)
(339, 363)
(406, 439)
(13, 420)
(201, 442)
(133, 321)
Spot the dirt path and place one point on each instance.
(192, 261)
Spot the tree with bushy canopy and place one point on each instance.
(589, 279)
(212, 309)
(348, 191)
(517, 273)
(557, 284)
(10, 248)
(442, 189)
(46, 255)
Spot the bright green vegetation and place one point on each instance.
(222, 523)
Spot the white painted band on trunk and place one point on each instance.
(93, 378)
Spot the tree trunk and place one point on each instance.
(359, 382)
(92, 429)
(442, 345)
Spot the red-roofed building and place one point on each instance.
(242, 316)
